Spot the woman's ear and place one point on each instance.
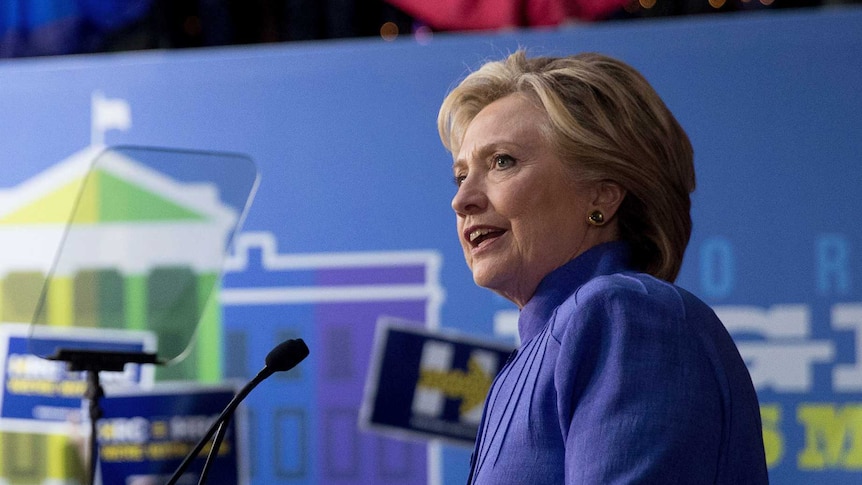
(609, 196)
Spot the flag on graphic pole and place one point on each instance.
(108, 114)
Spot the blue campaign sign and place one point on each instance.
(40, 390)
(430, 385)
(145, 435)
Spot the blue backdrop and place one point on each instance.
(352, 217)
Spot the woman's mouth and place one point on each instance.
(479, 235)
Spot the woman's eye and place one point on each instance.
(459, 179)
(503, 161)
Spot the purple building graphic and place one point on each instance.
(304, 423)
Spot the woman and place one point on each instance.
(573, 202)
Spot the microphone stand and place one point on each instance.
(214, 450)
(263, 374)
(284, 356)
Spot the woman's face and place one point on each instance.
(520, 212)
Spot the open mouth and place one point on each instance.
(477, 236)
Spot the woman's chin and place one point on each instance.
(484, 280)
(491, 280)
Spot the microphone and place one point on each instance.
(284, 356)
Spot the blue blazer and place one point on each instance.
(620, 378)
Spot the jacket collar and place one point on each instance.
(559, 284)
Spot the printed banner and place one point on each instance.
(352, 221)
(40, 390)
(145, 435)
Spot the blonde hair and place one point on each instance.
(608, 123)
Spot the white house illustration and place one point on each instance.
(115, 243)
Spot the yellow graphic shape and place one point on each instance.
(471, 386)
(60, 292)
(54, 208)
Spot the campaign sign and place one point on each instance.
(429, 384)
(37, 389)
(144, 435)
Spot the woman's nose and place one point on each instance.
(470, 198)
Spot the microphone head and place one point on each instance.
(286, 355)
